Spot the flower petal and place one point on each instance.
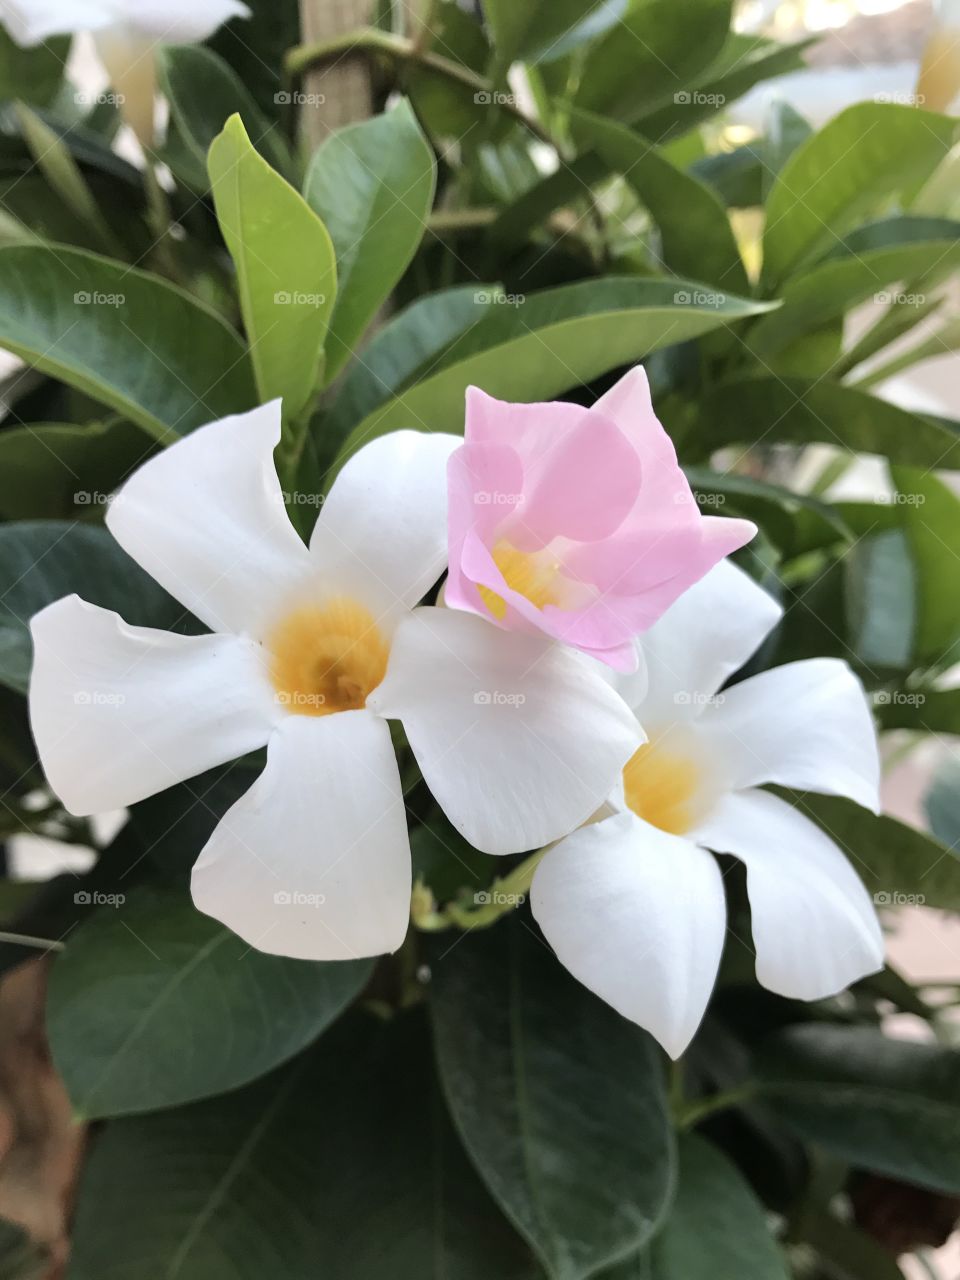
(314, 861)
(122, 712)
(382, 532)
(518, 739)
(707, 635)
(814, 925)
(206, 519)
(638, 916)
(805, 725)
(179, 21)
(32, 21)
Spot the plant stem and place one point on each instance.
(404, 49)
(696, 1112)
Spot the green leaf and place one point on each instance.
(40, 561)
(806, 411)
(64, 176)
(33, 75)
(204, 92)
(696, 238)
(857, 1255)
(286, 273)
(942, 802)
(55, 471)
(717, 1226)
(881, 591)
(860, 160)
(559, 1101)
(126, 338)
(534, 348)
(407, 346)
(142, 978)
(547, 29)
(373, 184)
(341, 1164)
(858, 270)
(930, 516)
(254, 48)
(932, 710)
(892, 1106)
(898, 864)
(784, 131)
(649, 57)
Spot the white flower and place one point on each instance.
(126, 33)
(310, 649)
(153, 21)
(634, 904)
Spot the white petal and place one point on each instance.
(814, 926)
(805, 725)
(382, 532)
(638, 916)
(206, 519)
(517, 738)
(314, 861)
(702, 640)
(32, 21)
(122, 712)
(179, 21)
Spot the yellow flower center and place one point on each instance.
(532, 574)
(663, 786)
(327, 658)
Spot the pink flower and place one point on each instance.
(577, 522)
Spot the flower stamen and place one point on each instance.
(327, 658)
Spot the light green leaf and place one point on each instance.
(861, 267)
(785, 129)
(42, 560)
(930, 517)
(853, 166)
(897, 863)
(373, 184)
(126, 338)
(140, 980)
(53, 471)
(340, 1165)
(717, 1226)
(892, 1106)
(204, 92)
(807, 410)
(534, 348)
(547, 29)
(558, 1100)
(285, 265)
(696, 237)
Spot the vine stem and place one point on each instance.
(305, 56)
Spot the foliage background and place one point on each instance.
(465, 1109)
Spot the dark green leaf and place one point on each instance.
(126, 338)
(559, 1101)
(147, 977)
(32, 75)
(892, 1106)
(930, 514)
